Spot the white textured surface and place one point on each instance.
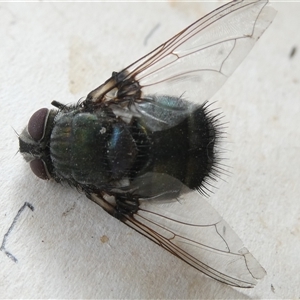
(62, 51)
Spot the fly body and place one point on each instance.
(148, 134)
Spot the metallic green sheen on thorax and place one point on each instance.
(84, 147)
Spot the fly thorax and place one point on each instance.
(91, 149)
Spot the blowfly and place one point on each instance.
(144, 144)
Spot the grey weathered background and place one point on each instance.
(69, 247)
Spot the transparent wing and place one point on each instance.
(198, 60)
(189, 228)
(193, 65)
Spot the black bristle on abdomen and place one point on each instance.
(205, 132)
(188, 151)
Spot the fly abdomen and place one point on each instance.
(187, 150)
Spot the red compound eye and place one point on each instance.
(39, 169)
(36, 124)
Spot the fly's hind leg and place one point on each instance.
(116, 204)
(126, 204)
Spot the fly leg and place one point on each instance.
(116, 204)
(126, 204)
